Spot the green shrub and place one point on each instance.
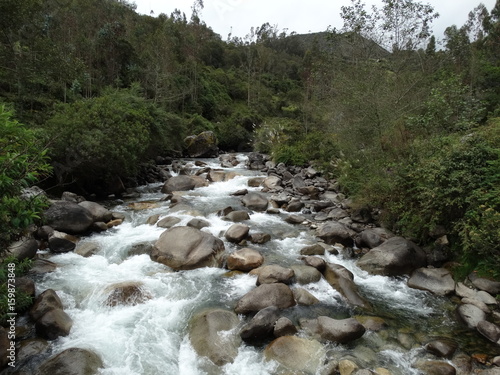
(23, 161)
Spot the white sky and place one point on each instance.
(301, 16)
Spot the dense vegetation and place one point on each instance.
(402, 124)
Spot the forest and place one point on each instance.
(405, 121)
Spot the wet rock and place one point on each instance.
(373, 237)
(60, 242)
(25, 285)
(73, 361)
(68, 217)
(87, 249)
(489, 330)
(304, 298)
(244, 260)
(396, 256)
(372, 323)
(295, 354)
(315, 262)
(114, 223)
(259, 238)
(153, 219)
(265, 295)
(315, 249)
(275, 274)
(212, 335)
(443, 348)
(490, 371)
(198, 223)
(237, 232)
(347, 367)
(168, 222)
(284, 327)
(30, 347)
(341, 280)
(271, 182)
(219, 175)
(203, 145)
(98, 212)
(334, 232)
(435, 367)
(490, 286)
(306, 274)
(183, 183)
(240, 192)
(255, 201)
(41, 266)
(340, 330)
(237, 216)
(256, 161)
(295, 205)
(295, 219)
(128, 293)
(471, 315)
(53, 324)
(25, 248)
(186, 248)
(46, 301)
(262, 324)
(435, 280)
(255, 181)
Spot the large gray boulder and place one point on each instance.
(305, 274)
(396, 256)
(342, 280)
(46, 301)
(183, 183)
(25, 248)
(435, 280)
(373, 237)
(187, 248)
(98, 212)
(265, 295)
(333, 232)
(53, 324)
(212, 335)
(274, 273)
(73, 361)
(244, 260)
(237, 232)
(202, 145)
(297, 355)
(68, 217)
(261, 325)
(489, 330)
(471, 315)
(255, 201)
(340, 330)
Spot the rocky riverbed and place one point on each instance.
(236, 265)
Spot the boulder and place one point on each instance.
(396, 256)
(435, 280)
(305, 274)
(198, 223)
(183, 183)
(315, 262)
(435, 367)
(255, 181)
(373, 237)
(53, 324)
(25, 248)
(127, 293)
(25, 285)
(275, 274)
(31, 347)
(153, 219)
(41, 266)
(490, 286)
(203, 145)
(219, 175)
(186, 248)
(259, 238)
(256, 161)
(304, 298)
(244, 260)
(255, 201)
(471, 315)
(237, 232)
(168, 222)
(60, 242)
(265, 295)
(87, 249)
(237, 216)
(341, 279)
(333, 232)
(262, 324)
(296, 354)
(271, 182)
(73, 361)
(295, 219)
(443, 348)
(46, 301)
(295, 205)
(284, 327)
(489, 330)
(98, 212)
(68, 196)
(340, 330)
(212, 335)
(68, 217)
(315, 249)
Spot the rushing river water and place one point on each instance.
(151, 338)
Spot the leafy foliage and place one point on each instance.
(23, 161)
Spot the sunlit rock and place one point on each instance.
(265, 295)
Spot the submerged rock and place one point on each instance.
(435, 280)
(341, 280)
(187, 248)
(212, 335)
(340, 330)
(73, 361)
(127, 293)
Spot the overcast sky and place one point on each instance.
(301, 16)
